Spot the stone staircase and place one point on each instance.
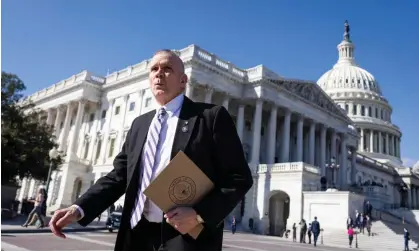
(385, 236)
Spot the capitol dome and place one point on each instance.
(357, 91)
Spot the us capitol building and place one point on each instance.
(315, 149)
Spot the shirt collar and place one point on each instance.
(173, 106)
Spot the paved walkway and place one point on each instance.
(15, 226)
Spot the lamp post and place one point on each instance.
(333, 166)
(53, 154)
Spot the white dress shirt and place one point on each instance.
(163, 153)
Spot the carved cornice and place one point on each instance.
(312, 93)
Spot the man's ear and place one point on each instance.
(184, 80)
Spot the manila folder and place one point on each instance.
(181, 183)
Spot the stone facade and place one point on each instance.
(290, 130)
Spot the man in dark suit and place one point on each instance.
(206, 133)
(315, 229)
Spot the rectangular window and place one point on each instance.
(86, 150)
(132, 106)
(103, 114)
(92, 117)
(117, 109)
(147, 102)
(99, 145)
(111, 147)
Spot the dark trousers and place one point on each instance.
(351, 238)
(302, 236)
(309, 237)
(149, 236)
(36, 210)
(406, 245)
(315, 236)
(233, 228)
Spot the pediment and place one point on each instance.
(312, 93)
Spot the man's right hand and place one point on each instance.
(62, 218)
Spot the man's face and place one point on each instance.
(167, 77)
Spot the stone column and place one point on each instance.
(343, 162)
(380, 142)
(257, 124)
(226, 101)
(333, 145)
(351, 108)
(107, 126)
(272, 135)
(333, 154)
(371, 141)
(286, 137)
(392, 145)
(66, 128)
(323, 150)
(409, 196)
(312, 141)
(361, 140)
(71, 151)
(387, 145)
(240, 121)
(398, 148)
(58, 119)
(49, 117)
(353, 165)
(95, 126)
(121, 128)
(300, 125)
(208, 95)
(189, 90)
(141, 99)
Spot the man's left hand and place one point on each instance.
(182, 218)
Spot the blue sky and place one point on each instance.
(44, 42)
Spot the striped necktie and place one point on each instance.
(149, 153)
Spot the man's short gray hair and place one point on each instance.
(172, 53)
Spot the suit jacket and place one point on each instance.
(211, 141)
(315, 227)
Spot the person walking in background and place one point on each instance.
(368, 223)
(309, 233)
(233, 225)
(406, 237)
(294, 232)
(349, 222)
(37, 209)
(368, 209)
(315, 229)
(303, 231)
(350, 235)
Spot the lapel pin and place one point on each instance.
(184, 129)
(186, 122)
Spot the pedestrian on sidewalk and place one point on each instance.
(350, 235)
(406, 240)
(303, 231)
(309, 233)
(37, 209)
(233, 225)
(315, 229)
(294, 232)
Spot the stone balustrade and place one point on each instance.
(288, 167)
